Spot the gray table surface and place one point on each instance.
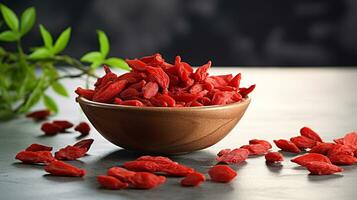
(284, 101)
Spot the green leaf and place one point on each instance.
(118, 63)
(9, 36)
(50, 103)
(35, 96)
(46, 37)
(59, 89)
(92, 57)
(103, 43)
(95, 64)
(40, 53)
(27, 20)
(10, 18)
(2, 51)
(62, 41)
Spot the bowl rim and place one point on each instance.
(82, 100)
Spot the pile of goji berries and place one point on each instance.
(41, 154)
(146, 172)
(154, 82)
(57, 126)
(323, 158)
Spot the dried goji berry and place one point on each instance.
(84, 144)
(38, 147)
(86, 93)
(132, 77)
(221, 80)
(156, 159)
(303, 142)
(322, 168)
(136, 64)
(235, 81)
(158, 102)
(153, 60)
(255, 149)
(142, 166)
(132, 103)
(160, 76)
(222, 173)
(70, 153)
(39, 114)
(235, 156)
(226, 88)
(262, 142)
(129, 93)
(146, 180)
(342, 159)
(245, 91)
(120, 173)
(150, 90)
(308, 132)
(139, 85)
(350, 139)
(340, 148)
(83, 128)
(194, 104)
(201, 72)
(304, 159)
(167, 99)
(64, 124)
(175, 169)
(107, 78)
(185, 97)
(193, 179)
(50, 128)
(339, 140)
(221, 98)
(109, 91)
(223, 151)
(286, 145)
(274, 157)
(322, 148)
(109, 182)
(35, 157)
(196, 88)
(59, 168)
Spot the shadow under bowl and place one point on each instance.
(163, 130)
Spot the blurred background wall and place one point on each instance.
(230, 32)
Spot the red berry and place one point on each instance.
(38, 147)
(222, 173)
(274, 157)
(286, 145)
(83, 128)
(193, 179)
(59, 168)
(322, 168)
(109, 182)
(50, 128)
(304, 159)
(146, 180)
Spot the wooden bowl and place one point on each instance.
(162, 130)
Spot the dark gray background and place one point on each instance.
(229, 32)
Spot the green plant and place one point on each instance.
(26, 76)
